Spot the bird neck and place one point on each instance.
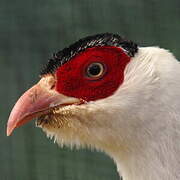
(151, 128)
(157, 163)
(152, 152)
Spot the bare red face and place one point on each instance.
(93, 74)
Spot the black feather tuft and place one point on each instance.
(105, 39)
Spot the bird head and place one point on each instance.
(105, 92)
(89, 93)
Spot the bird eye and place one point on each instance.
(95, 70)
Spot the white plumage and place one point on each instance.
(138, 126)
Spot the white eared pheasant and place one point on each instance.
(106, 92)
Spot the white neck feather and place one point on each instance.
(138, 126)
(152, 115)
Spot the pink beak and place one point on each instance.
(35, 102)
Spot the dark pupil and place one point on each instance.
(94, 70)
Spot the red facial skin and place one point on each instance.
(73, 81)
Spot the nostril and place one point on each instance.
(53, 86)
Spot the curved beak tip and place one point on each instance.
(9, 129)
(8, 132)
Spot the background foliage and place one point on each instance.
(30, 31)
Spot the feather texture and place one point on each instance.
(138, 126)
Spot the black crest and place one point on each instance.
(105, 39)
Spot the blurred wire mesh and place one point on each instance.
(30, 31)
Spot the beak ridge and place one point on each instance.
(35, 102)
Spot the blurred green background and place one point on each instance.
(30, 31)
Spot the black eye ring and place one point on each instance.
(95, 70)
